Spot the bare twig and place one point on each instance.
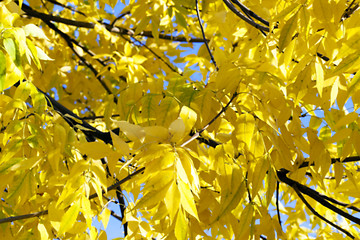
(318, 215)
(118, 18)
(203, 34)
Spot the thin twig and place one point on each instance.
(320, 216)
(116, 216)
(247, 187)
(203, 34)
(277, 203)
(197, 134)
(118, 18)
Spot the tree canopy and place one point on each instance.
(199, 119)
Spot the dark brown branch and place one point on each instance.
(203, 34)
(73, 120)
(250, 13)
(82, 59)
(118, 30)
(243, 17)
(318, 215)
(314, 195)
(116, 216)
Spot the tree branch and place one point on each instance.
(250, 13)
(314, 195)
(203, 34)
(82, 59)
(320, 216)
(118, 30)
(248, 20)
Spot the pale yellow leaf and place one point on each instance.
(95, 150)
(43, 232)
(132, 131)
(177, 130)
(189, 117)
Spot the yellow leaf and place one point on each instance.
(245, 220)
(139, 59)
(127, 49)
(288, 53)
(181, 226)
(95, 150)
(43, 232)
(339, 135)
(334, 92)
(153, 197)
(287, 32)
(181, 171)
(156, 134)
(172, 200)
(354, 84)
(338, 172)
(132, 131)
(233, 197)
(187, 199)
(177, 130)
(347, 119)
(69, 218)
(120, 145)
(104, 217)
(346, 63)
(245, 127)
(60, 136)
(319, 77)
(189, 117)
